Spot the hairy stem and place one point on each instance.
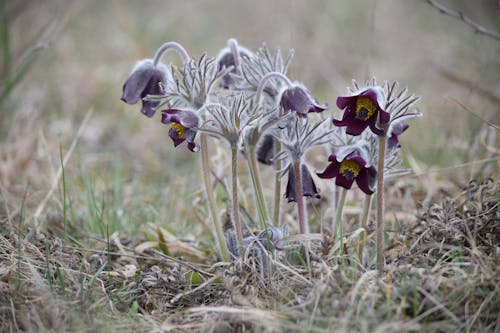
(364, 218)
(277, 187)
(233, 45)
(301, 211)
(338, 229)
(205, 170)
(259, 195)
(263, 82)
(181, 51)
(234, 199)
(380, 203)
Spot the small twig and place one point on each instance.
(460, 16)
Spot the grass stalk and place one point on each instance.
(224, 252)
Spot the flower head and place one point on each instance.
(396, 130)
(308, 187)
(363, 109)
(145, 79)
(183, 126)
(298, 99)
(226, 59)
(352, 167)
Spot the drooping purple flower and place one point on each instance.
(308, 187)
(351, 168)
(183, 126)
(226, 60)
(397, 129)
(361, 110)
(299, 100)
(145, 79)
(266, 149)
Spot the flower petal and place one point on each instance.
(266, 150)
(331, 170)
(308, 187)
(366, 180)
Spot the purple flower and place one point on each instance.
(308, 187)
(266, 149)
(396, 130)
(226, 60)
(352, 168)
(146, 79)
(298, 99)
(361, 110)
(183, 126)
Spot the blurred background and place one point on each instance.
(63, 61)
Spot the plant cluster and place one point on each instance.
(247, 100)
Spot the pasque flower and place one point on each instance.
(226, 59)
(145, 79)
(308, 187)
(363, 109)
(298, 99)
(183, 126)
(353, 167)
(396, 130)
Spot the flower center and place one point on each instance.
(349, 169)
(365, 108)
(179, 129)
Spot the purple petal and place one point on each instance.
(308, 187)
(265, 150)
(344, 101)
(366, 179)
(137, 82)
(384, 117)
(358, 160)
(175, 137)
(299, 100)
(340, 180)
(290, 187)
(356, 127)
(331, 170)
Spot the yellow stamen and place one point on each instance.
(350, 167)
(365, 108)
(179, 129)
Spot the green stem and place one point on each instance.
(364, 219)
(338, 220)
(380, 203)
(301, 211)
(234, 199)
(259, 195)
(277, 187)
(224, 252)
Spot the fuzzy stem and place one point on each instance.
(380, 203)
(263, 81)
(259, 195)
(301, 211)
(234, 199)
(181, 51)
(277, 187)
(210, 198)
(233, 45)
(364, 217)
(338, 219)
